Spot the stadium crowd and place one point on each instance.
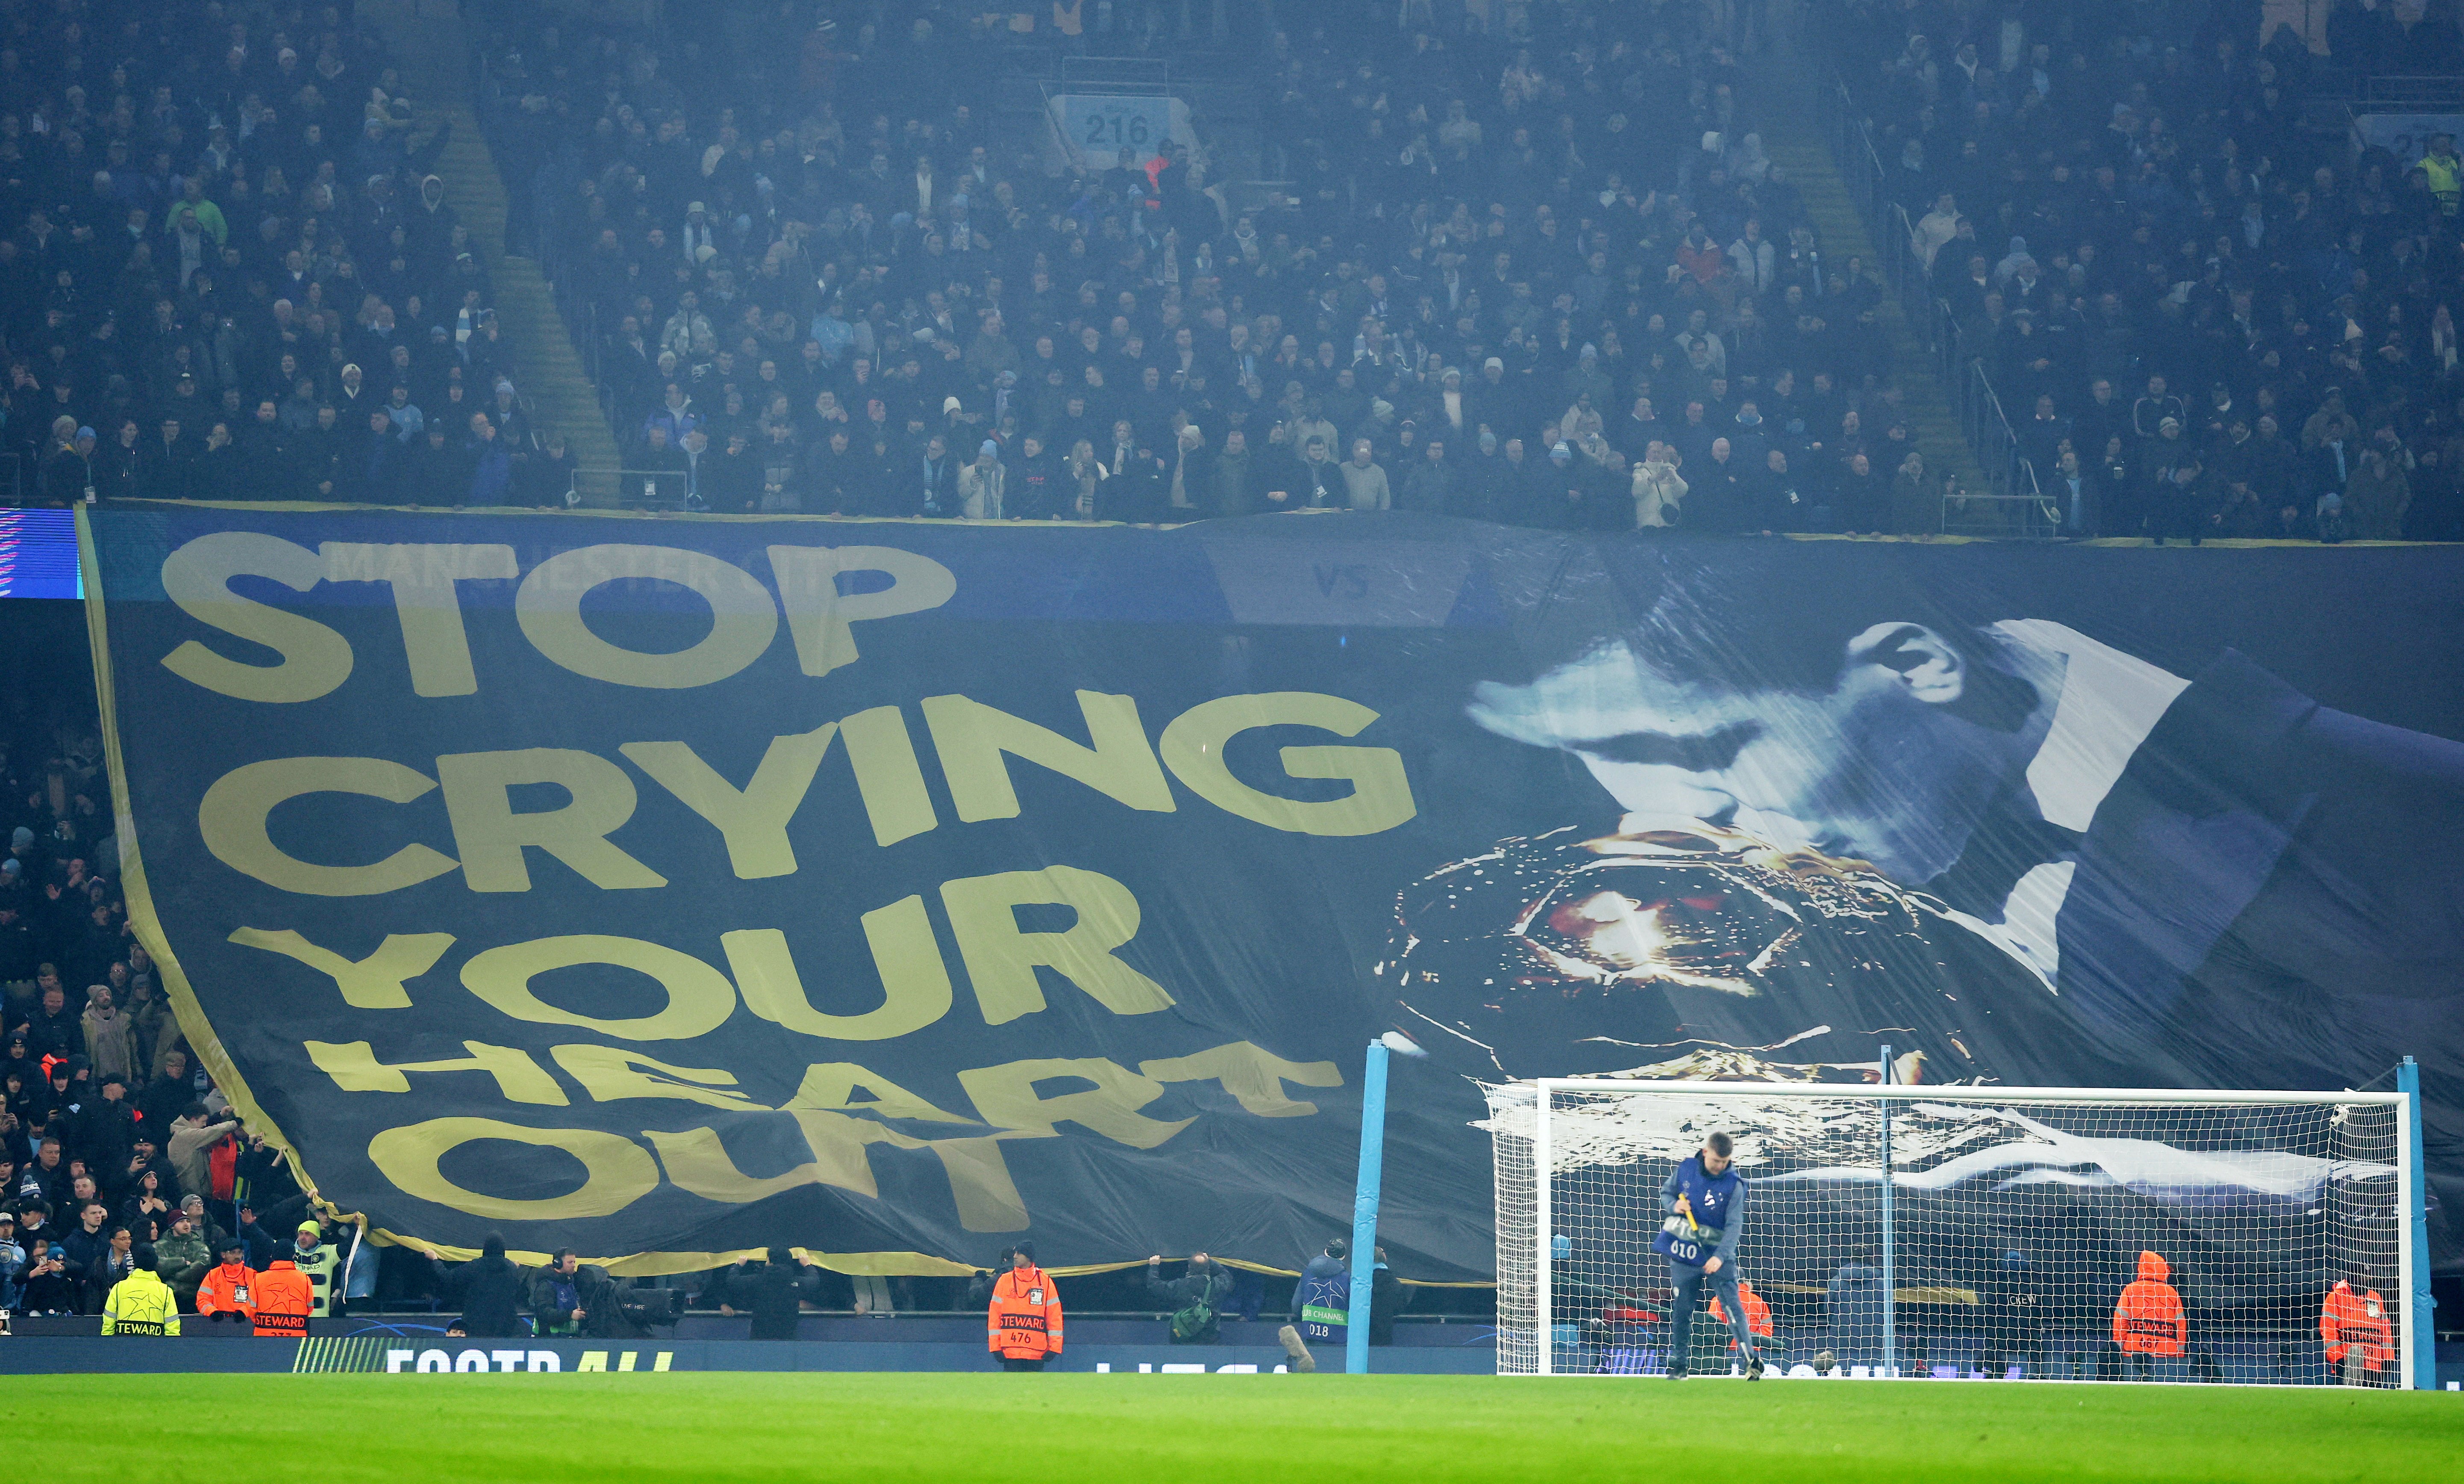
(228, 269)
(114, 1143)
(2200, 316)
(1545, 274)
(1534, 265)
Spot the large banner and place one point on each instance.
(665, 889)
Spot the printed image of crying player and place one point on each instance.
(1704, 1198)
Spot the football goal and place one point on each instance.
(1971, 1233)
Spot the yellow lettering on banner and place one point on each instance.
(1002, 959)
(609, 1073)
(980, 1182)
(743, 619)
(373, 983)
(980, 1186)
(914, 983)
(970, 737)
(354, 1067)
(699, 997)
(592, 1361)
(422, 577)
(197, 577)
(619, 1170)
(987, 1199)
(1252, 1075)
(819, 615)
(830, 1087)
(1380, 796)
(888, 775)
(752, 820)
(697, 1161)
(490, 835)
(233, 818)
(1006, 1097)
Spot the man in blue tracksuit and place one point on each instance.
(1706, 1202)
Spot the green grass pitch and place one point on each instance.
(882, 1428)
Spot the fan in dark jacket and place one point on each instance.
(1387, 1298)
(774, 1293)
(490, 1289)
(1193, 1298)
(567, 1286)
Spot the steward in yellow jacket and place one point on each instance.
(141, 1303)
(1024, 1324)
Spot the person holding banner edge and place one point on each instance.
(1704, 1198)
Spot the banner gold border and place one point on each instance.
(208, 1047)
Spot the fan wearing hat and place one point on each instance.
(699, 242)
(228, 1292)
(66, 476)
(12, 1260)
(184, 1256)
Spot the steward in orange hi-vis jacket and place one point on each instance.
(229, 1293)
(2148, 1319)
(1023, 1325)
(284, 1299)
(2347, 1319)
(1758, 1315)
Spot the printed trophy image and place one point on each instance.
(1575, 952)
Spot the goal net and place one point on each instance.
(2004, 1242)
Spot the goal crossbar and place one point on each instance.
(1905, 1092)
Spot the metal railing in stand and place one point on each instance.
(647, 488)
(2009, 508)
(2441, 92)
(2015, 506)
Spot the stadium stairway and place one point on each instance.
(1792, 137)
(428, 37)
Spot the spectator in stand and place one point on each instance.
(184, 1259)
(110, 1044)
(2173, 236)
(490, 1288)
(203, 284)
(12, 1263)
(1364, 482)
(167, 1096)
(49, 1287)
(1192, 1299)
(86, 1251)
(192, 1134)
(773, 1292)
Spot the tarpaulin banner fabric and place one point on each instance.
(665, 889)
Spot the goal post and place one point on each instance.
(2254, 1238)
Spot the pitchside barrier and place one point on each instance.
(430, 1356)
(2018, 1232)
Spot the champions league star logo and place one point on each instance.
(1575, 952)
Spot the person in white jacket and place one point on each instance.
(1658, 489)
(980, 483)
